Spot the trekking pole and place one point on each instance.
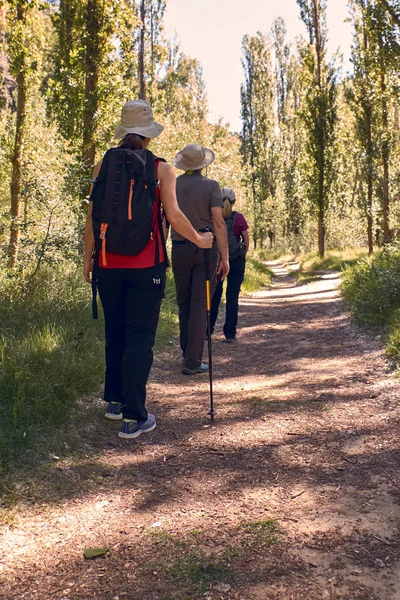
(208, 308)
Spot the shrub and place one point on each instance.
(371, 288)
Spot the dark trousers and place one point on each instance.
(235, 280)
(131, 300)
(188, 267)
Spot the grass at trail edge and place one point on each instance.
(257, 274)
(371, 291)
(311, 265)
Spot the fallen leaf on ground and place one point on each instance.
(95, 552)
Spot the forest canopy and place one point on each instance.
(316, 165)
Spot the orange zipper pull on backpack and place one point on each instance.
(103, 229)
(130, 200)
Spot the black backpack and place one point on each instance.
(123, 198)
(235, 244)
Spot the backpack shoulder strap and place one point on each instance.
(151, 174)
(101, 177)
(100, 181)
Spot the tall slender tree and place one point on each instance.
(363, 103)
(23, 66)
(259, 147)
(141, 73)
(288, 94)
(319, 112)
(82, 84)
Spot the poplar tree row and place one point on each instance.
(321, 148)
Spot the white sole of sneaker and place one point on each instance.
(132, 436)
(113, 417)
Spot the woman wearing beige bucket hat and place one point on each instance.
(130, 274)
(200, 199)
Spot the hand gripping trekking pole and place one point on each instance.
(208, 308)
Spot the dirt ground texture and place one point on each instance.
(292, 494)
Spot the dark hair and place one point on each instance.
(133, 141)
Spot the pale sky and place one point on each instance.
(212, 31)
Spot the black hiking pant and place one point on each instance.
(131, 300)
(188, 267)
(235, 280)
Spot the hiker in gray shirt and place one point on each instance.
(200, 199)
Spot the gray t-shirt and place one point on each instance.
(196, 196)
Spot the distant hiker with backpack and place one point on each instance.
(201, 201)
(124, 229)
(238, 242)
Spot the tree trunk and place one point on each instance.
(369, 211)
(385, 162)
(321, 139)
(321, 235)
(65, 32)
(370, 234)
(369, 152)
(16, 177)
(91, 101)
(142, 87)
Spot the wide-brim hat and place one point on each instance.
(193, 158)
(228, 194)
(137, 117)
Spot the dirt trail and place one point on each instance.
(292, 494)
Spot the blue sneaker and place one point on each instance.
(132, 429)
(114, 411)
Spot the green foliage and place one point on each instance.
(51, 353)
(375, 52)
(371, 288)
(67, 82)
